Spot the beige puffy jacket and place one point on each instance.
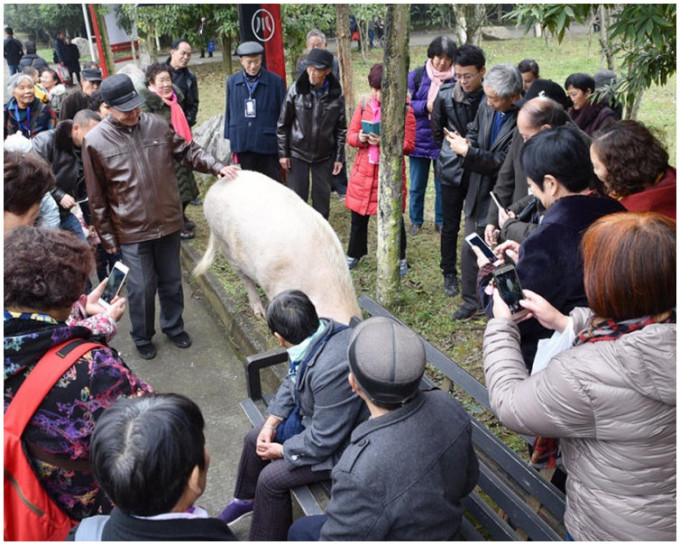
(613, 405)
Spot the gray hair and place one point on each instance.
(16, 80)
(316, 32)
(504, 79)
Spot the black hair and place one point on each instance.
(27, 177)
(8, 30)
(174, 45)
(30, 47)
(528, 65)
(442, 45)
(144, 449)
(96, 100)
(154, 69)
(52, 73)
(470, 55)
(561, 153)
(579, 80)
(292, 315)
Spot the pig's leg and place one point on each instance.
(253, 297)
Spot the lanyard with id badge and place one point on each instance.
(250, 108)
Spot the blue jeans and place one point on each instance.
(307, 528)
(13, 69)
(419, 169)
(71, 223)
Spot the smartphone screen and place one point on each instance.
(113, 285)
(509, 288)
(475, 240)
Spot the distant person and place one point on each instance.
(588, 113)
(404, 474)
(149, 455)
(32, 59)
(311, 131)
(40, 92)
(90, 81)
(603, 79)
(424, 83)
(59, 48)
(530, 73)
(204, 38)
(13, 51)
(24, 112)
(309, 422)
(184, 78)
(72, 60)
(251, 130)
(633, 165)
(611, 398)
(55, 90)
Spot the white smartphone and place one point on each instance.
(495, 199)
(114, 284)
(475, 240)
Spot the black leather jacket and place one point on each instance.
(130, 178)
(310, 127)
(186, 80)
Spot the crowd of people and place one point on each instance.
(576, 203)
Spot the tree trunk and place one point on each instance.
(393, 112)
(605, 21)
(344, 45)
(363, 39)
(226, 54)
(632, 112)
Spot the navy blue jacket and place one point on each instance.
(258, 134)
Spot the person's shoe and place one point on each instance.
(189, 225)
(403, 267)
(185, 234)
(352, 262)
(464, 313)
(181, 340)
(235, 509)
(438, 228)
(450, 285)
(341, 197)
(146, 351)
(414, 229)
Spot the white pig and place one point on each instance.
(271, 237)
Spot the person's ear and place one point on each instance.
(278, 337)
(550, 185)
(196, 482)
(353, 383)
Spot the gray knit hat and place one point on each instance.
(387, 359)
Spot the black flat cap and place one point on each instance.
(119, 92)
(249, 48)
(545, 88)
(91, 74)
(320, 58)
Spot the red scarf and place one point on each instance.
(177, 118)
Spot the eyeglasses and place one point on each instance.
(465, 77)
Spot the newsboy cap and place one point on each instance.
(320, 58)
(119, 92)
(387, 359)
(249, 48)
(91, 74)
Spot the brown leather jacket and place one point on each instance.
(130, 178)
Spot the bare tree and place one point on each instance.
(470, 19)
(395, 70)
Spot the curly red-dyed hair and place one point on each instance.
(632, 155)
(45, 268)
(629, 265)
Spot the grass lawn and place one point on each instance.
(423, 305)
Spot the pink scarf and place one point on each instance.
(437, 78)
(177, 118)
(374, 151)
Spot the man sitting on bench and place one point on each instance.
(407, 468)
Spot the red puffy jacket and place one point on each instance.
(362, 190)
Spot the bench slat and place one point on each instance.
(488, 519)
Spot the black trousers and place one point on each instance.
(453, 198)
(298, 180)
(358, 237)
(267, 164)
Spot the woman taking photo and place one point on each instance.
(24, 112)
(633, 166)
(423, 85)
(362, 190)
(164, 99)
(611, 399)
(588, 113)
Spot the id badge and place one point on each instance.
(250, 107)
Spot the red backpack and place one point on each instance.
(30, 514)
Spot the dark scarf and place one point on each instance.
(586, 115)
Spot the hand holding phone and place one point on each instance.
(475, 241)
(508, 286)
(117, 278)
(497, 203)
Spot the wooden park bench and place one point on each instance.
(511, 502)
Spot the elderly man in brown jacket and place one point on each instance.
(128, 161)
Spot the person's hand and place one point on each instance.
(374, 139)
(509, 246)
(363, 137)
(117, 308)
(285, 163)
(503, 217)
(337, 167)
(500, 307)
(481, 258)
(229, 172)
(430, 106)
(491, 235)
(266, 435)
(269, 451)
(543, 311)
(93, 307)
(67, 202)
(113, 250)
(459, 145)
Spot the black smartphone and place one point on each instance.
(475, 240)
(510, 289)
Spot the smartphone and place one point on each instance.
(114, 284)
(495, 200)
(509, 287)
(475, 240)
